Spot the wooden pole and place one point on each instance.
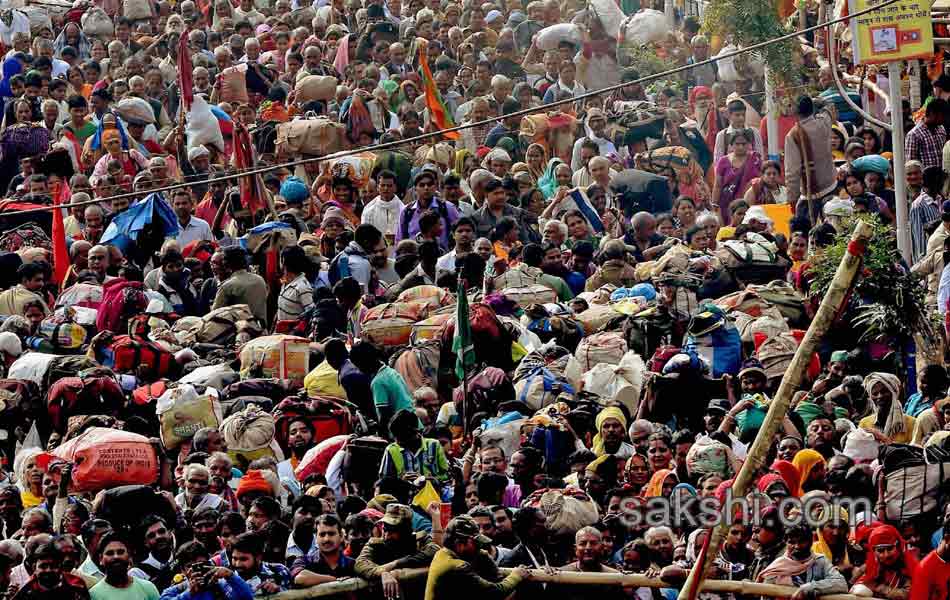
(843, 279)
(567, 578)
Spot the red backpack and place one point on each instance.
(662, 356)
(128, 354)
(71, 396)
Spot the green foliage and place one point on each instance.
(749, 22)
(645, 61)
(890, 301)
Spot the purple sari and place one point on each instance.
(734, 182)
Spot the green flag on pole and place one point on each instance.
(462, 342)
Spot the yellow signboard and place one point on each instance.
(781, 215)
(898, 31)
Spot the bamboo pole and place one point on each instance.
(842, 282)
(568, 578)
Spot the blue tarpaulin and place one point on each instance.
(125, 227)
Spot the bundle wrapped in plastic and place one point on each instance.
(618, 383)
(567, 510)
(709, 456)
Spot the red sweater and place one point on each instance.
(932, 581)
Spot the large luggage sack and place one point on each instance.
(391, 324)
(70, 396)
(137, 10)
(542, 387)
(106, 458)
(783, 296)
(81, 294)
(315, 87)
(314, 137)
(249, 435)
(125, 506)
(418, 364)
(64, 333)
(283, 356)
(220, 326)
(532, 294)
(566, 331)
(328, 417)
(567, 510)
(66, 366)
(126, 354)
(317, 459)
(432, 296)
(604, 347)
(649, 330)
(915, 480)
(491, 339)
(754, 261)
(182, 411)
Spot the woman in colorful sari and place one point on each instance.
(735, 172)
(637, 472)
(661, 484)
(548, 181)
(811, 470)
(536, 157)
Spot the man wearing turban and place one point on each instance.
(611, 429)
(888, 422)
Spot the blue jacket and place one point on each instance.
(232, 588)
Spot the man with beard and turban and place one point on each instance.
(888, 422)
(890, 568)
(115, 557)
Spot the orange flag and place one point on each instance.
(438, 113)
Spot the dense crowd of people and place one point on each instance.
(264, 327)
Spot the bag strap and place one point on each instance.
(734, 252)
(771, 254)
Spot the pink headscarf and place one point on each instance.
(342, 58)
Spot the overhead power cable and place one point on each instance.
(442, 132)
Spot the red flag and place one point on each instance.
(438, 113)
(252, 194)
(60, 254)
(185, 84)
(696, 583)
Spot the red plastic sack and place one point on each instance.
(106, 458)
